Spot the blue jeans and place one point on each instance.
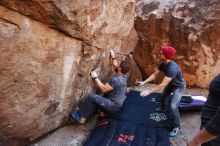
(93, 102)
(172, 102)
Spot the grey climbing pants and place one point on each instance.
(94, 101)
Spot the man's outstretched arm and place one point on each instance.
(150, 78)
(103, 87)
(164, 83)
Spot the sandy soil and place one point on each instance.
(73, 135)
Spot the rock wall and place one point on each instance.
(97, 23)
(47, 50)
(191, 26)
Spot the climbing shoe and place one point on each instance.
(76, 118)
(175, 133)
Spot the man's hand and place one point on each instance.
(94, 75)
(145, 93)
(130, 56)
(112, 54)
(139, 83)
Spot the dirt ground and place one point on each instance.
(73, 135)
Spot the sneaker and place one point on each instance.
(175, 133)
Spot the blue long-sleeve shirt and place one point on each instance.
(211, 111)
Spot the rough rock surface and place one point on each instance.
(46, 58)
(191, 26)
(96, 22)
(49, 47)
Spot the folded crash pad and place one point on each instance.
(191, 103)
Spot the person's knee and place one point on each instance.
(91, 97)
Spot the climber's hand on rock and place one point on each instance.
(94, 75)
(112, 54)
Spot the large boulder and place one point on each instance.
(46, 59)
(99, 23)
(191, 26)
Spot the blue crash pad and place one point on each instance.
(136, 124)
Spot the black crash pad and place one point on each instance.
(136, 124)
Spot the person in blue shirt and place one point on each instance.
(116, 89)
(210, 118)
(173, 82)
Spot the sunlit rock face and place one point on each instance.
(191, 26)
(47, 51)
(99, 23)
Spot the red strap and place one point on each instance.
(122, 138)
(102, 123)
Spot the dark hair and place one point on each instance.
(125, 67)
